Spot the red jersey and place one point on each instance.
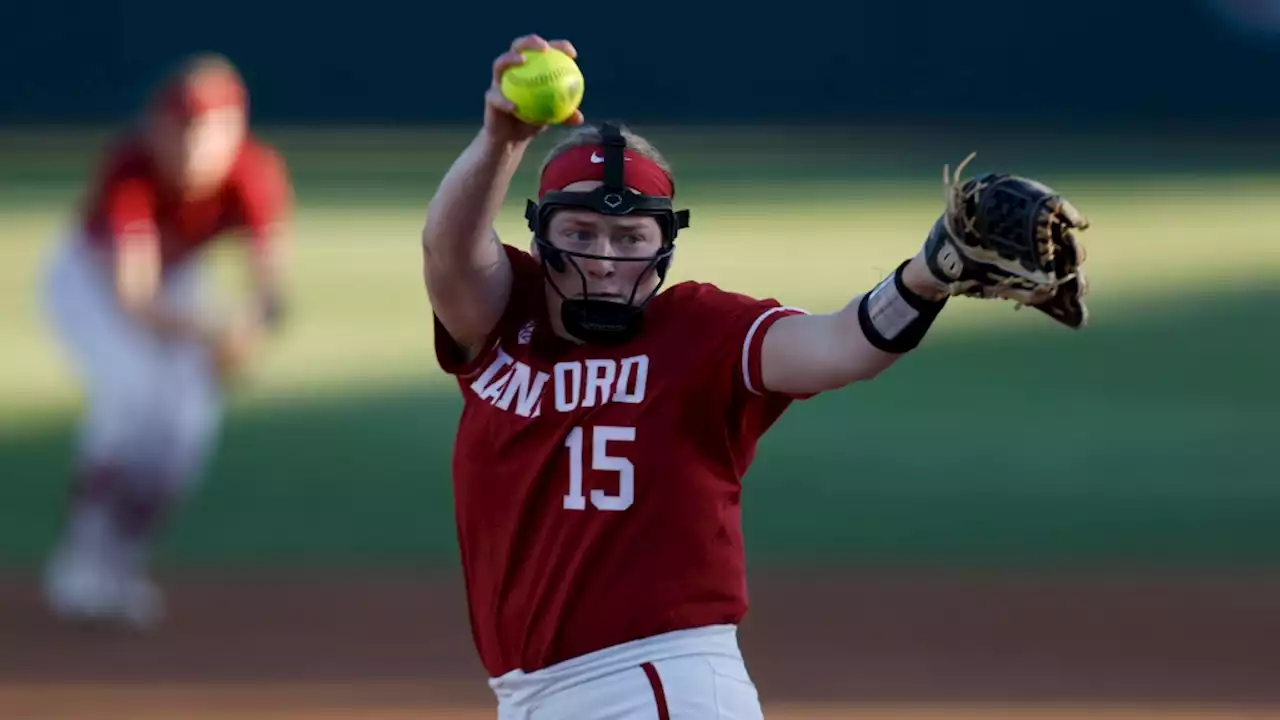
(130, 197)
(597, 489)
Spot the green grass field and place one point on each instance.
(1005, 440)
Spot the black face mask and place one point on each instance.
(595, 320)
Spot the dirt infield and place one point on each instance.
(845, 643)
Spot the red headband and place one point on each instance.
(586, 162)
(198, 95)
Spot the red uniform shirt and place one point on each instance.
(130, 198)
(597, 489)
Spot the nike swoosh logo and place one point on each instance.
(596, 159)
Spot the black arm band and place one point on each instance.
(893, 318)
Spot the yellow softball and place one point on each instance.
(546, 89)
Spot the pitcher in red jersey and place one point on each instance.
(123, 297)
(608, 423)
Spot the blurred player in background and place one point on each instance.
(607, 426)
(124, 297)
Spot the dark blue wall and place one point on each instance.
(1088, 60)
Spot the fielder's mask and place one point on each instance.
(632, 185)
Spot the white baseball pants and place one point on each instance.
(682, 675)
(151, 406)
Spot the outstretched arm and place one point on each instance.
(467, 274)
(806, 354)
(1001, 236)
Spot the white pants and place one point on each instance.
(152, 406)
(682, 675)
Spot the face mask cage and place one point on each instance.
(595, 319)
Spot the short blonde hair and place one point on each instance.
(590, 135)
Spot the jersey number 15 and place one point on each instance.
(601, 436)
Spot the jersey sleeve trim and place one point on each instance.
(135, 232)
(754, 343)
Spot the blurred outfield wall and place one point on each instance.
(1082, 62)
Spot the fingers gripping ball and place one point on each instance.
(1011, 237)
(546, 89)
